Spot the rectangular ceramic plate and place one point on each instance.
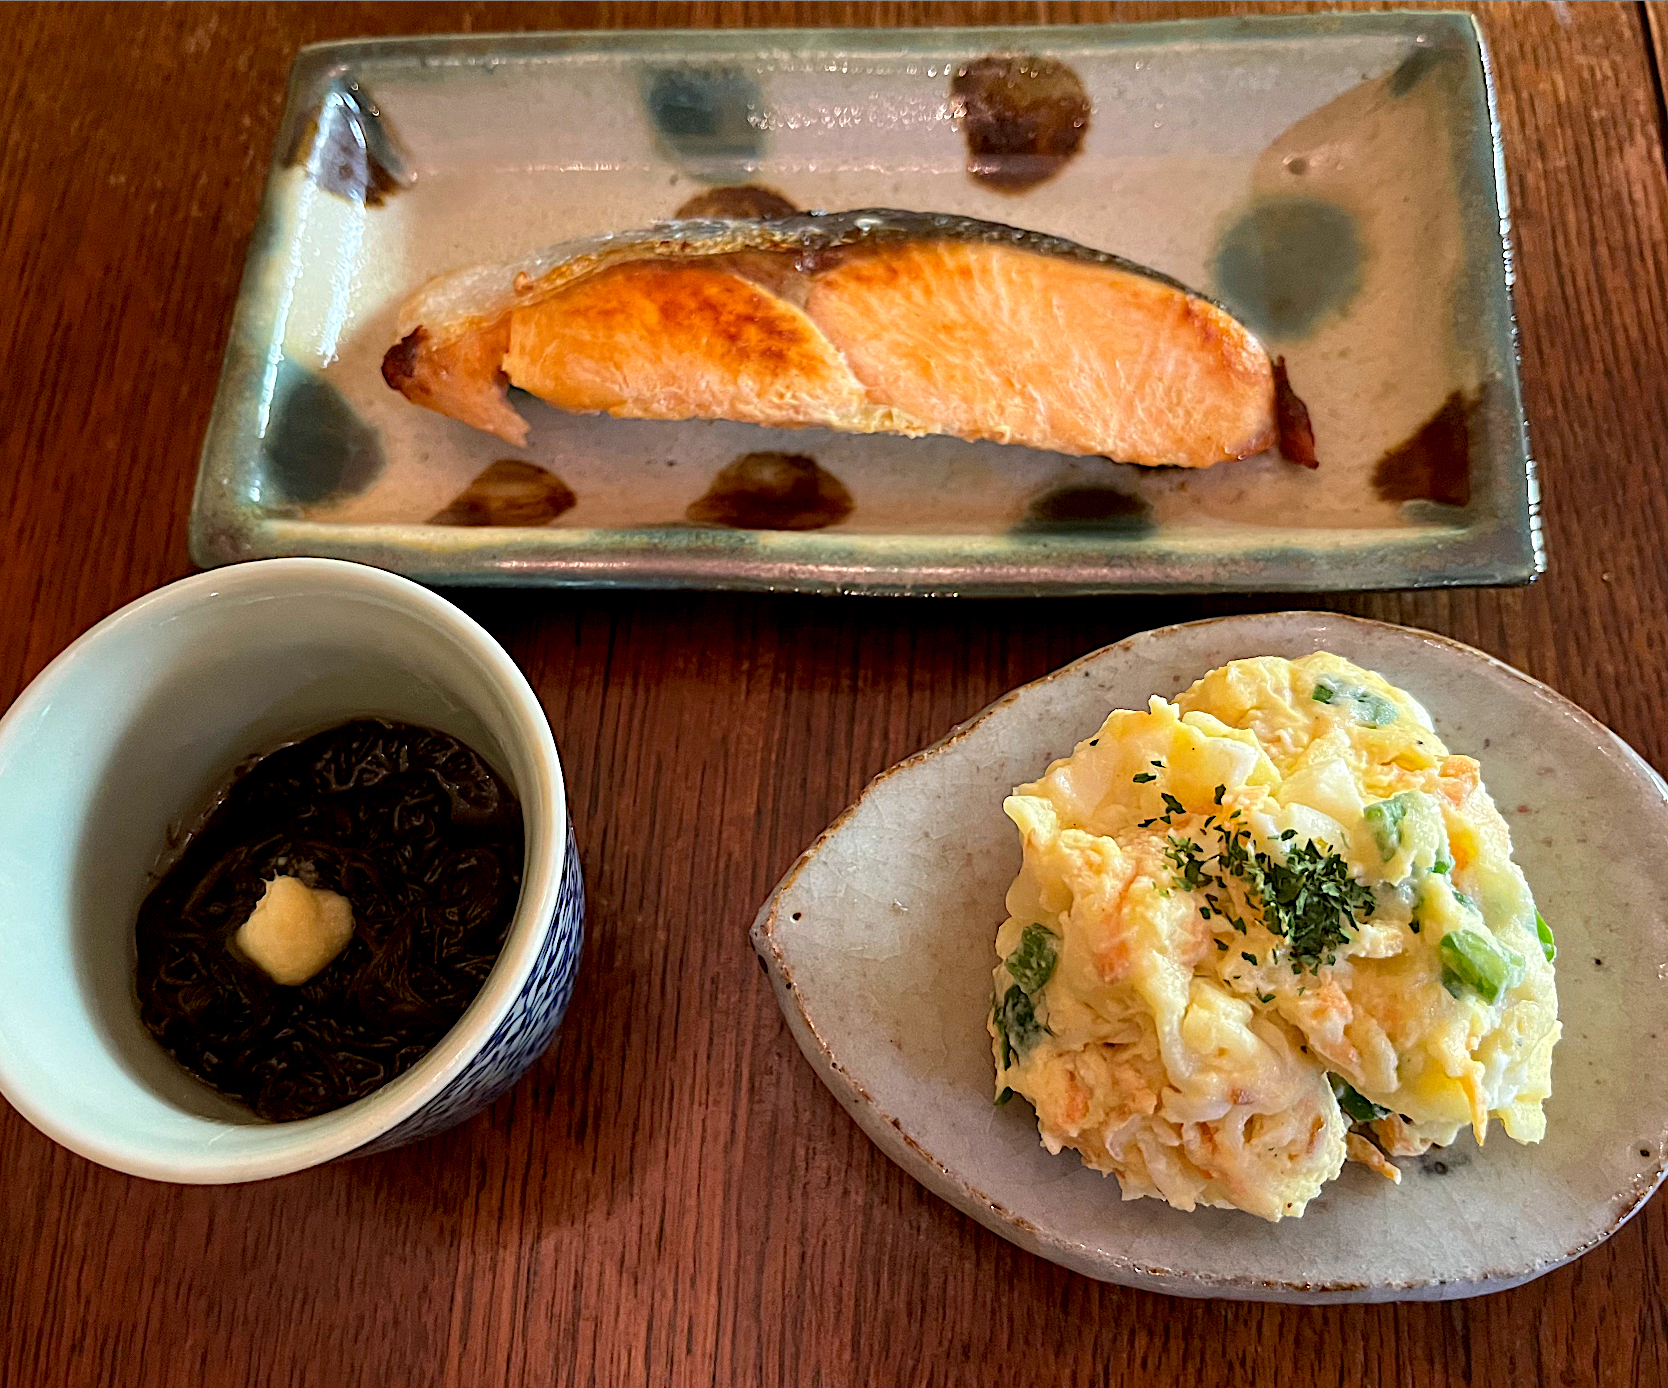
(1335, 180)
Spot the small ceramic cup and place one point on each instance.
(124, 737)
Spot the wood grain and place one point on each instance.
(671, 1196)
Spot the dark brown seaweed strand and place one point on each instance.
(422, 838)
(1291, 417)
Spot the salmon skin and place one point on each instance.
(874, 321)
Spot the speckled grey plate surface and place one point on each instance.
(1335, 179)
(880, 943)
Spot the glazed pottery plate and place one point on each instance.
(1334, 179)
(881, 940)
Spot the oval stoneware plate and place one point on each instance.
(880, 943)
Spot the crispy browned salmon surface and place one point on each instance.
(900, 323)
(669, 341)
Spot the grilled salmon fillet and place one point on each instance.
(869, 322)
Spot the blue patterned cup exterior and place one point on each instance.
(524, 1033)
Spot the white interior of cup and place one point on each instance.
(122, 741)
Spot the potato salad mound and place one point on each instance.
(1264, 929)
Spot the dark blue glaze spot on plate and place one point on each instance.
(1422, 63)
(315, 446)
(1287, 263)
(707, 118)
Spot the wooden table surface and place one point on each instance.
(671, 1196)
